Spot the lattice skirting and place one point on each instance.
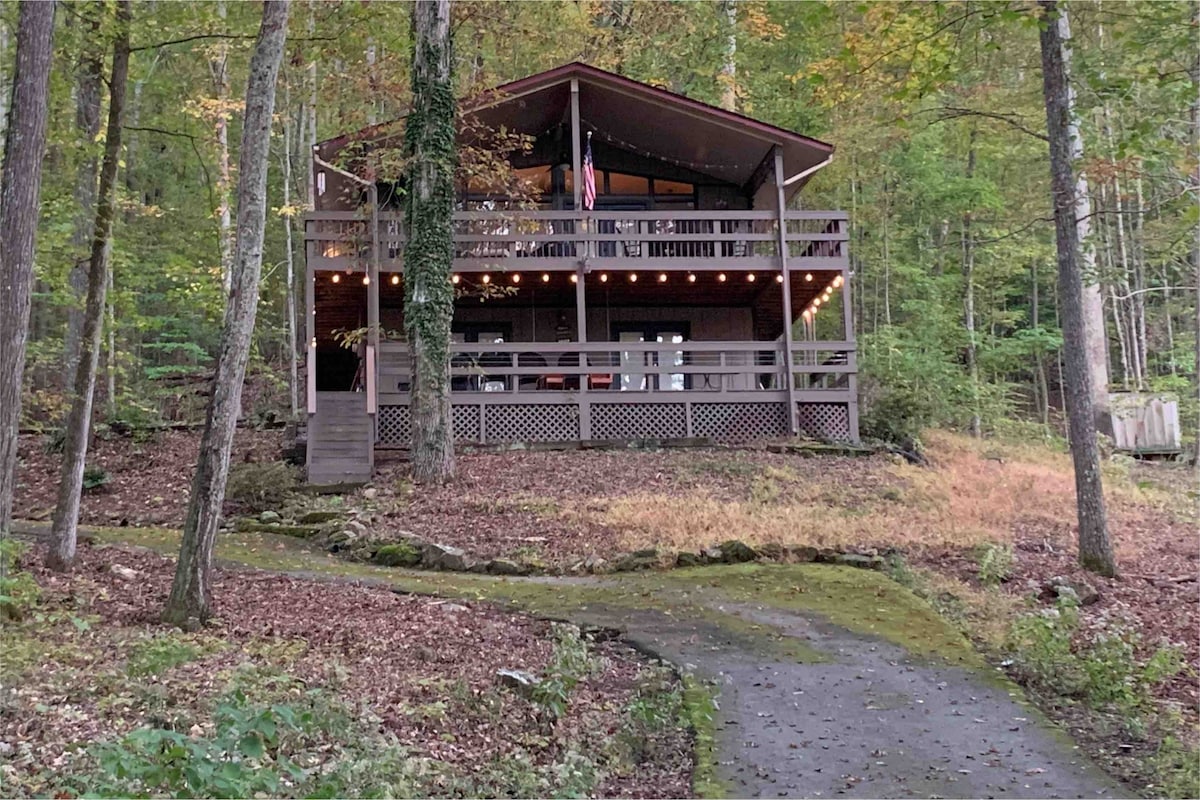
(827, 421)
(739, 422)
(639, 421)
(531, 423)
(394, 427)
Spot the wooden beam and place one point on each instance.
(576, 156)
(781, 207)
(763, 171)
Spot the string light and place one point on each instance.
(721, 277)
(808, 277)
(633, 277)
(366, 280)
(395, 280)
(816, 302)
(545, 277)
(487, 279)
(662, 277)
(696, 165)
(691, 277)
(574, 279)
(604, 277)
(806, 313)
(516, 278)
(838, 281)
(750, 277)
(779, 278)
(336, 278)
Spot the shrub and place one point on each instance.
(18, 591)
(261, 486)
(158, 654)
(995, 563)
(94, 478)
(570, 663)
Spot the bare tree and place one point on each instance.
(66, 513)
(20, 190)
(428, 293)
(1095, 550)
(190, 602)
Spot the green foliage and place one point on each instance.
(263, 485)
(158, 654)
(18, 591)
(570, 663)
(399, 554)
(308, 748)
(94, 477)
(1048, 652)
(995, 563)
(657, 707)
(1177, 765)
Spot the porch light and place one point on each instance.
(487, 279)
(604, 277)
(808, 277)
(395, 280)
(336, 278)
(516, 278)
(545, 277)
(750, 277)
(662, 277)
(633, 277)
(455, 279)
(779, 278)
(721, 277)
(691, 277)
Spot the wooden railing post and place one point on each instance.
(781, 206)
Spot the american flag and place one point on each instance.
(589, 177)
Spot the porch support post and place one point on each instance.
(576, 156)
(372, 365)
(584, 403)
(848, 331)
(310, 329)
(781, 207)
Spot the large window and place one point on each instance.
(665, 333)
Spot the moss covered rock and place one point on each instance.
(398, 554)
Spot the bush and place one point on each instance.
(261, 486)
(18, 591)
(995, 563)
(94, 478)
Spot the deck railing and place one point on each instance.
(565, 240)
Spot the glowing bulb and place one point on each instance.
(662, 277)
(691, 278)
(808, 277)
(366, 280)
(633, 277)
(806, 314)
(487, 279)
(816, 302)
(574, 279)
(455, 279)
(837, 281)
(395, 280)
(313, 343)
(604, 277)
(516, 278)
(721, 277)
(336, 278)
(750, 277)
(779, 279)
(545, 277)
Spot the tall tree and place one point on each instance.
(20, 193)
(190, 601)
(66, 513)
(428, 293)
(88, 80)
(1095, 550)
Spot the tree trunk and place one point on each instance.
(87, 126)
(20, 189)
(66, 513)
(968, 246)
(1096, 340)
(290, 278)
(1194, 180)
(1095, 550)
(428, 293)
(191, 593)
(220, 72)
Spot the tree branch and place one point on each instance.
(195, 149)
(954, 112)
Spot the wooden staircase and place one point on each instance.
(340, 439)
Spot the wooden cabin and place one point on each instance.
(686, 303)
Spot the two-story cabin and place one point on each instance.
(683, 304)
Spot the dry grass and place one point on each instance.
(975, 492)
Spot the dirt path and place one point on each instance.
(829, 682)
